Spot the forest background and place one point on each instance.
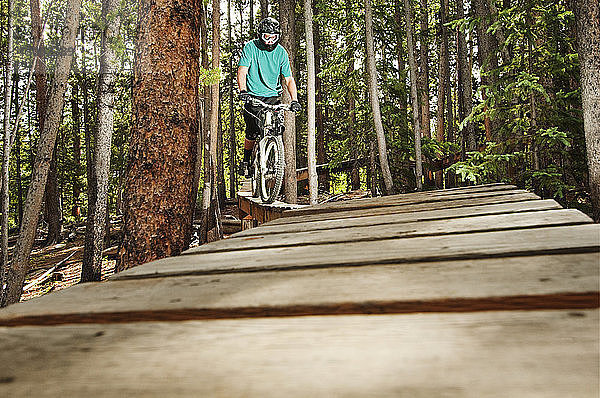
(497, 98)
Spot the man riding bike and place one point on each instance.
(262, 63)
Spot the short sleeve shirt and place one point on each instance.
(264, 69)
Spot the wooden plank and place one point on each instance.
(569, 239)
(489, 354)
(394, 200)
(442, 214)
(410, 208)
(495, 222)
(490, 284)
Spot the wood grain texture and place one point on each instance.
(496, 222)
(488, 354)
(394, 200)
(410, 208)
(442, 214)
(466, 285)
(569, 239)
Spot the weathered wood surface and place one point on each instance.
(397, 200)
(261, 211)
(502, 197)
(496, 222)
(578, 238)
(490, 354)
(445, 286)
(482, 292)
(442, 214)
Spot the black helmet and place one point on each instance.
(269, 33)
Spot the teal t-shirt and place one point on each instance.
(264, 69)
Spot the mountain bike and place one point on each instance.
(268, 156)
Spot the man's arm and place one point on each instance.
(242, 73)
(291, 86)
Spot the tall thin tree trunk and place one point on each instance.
(374, 95)
(76, 116)
(251, 5)
(320, 122)
(96, 226)
(424, 66)
(588, 35)
(88, 131)
(413, 94)
(313, 184)
(162, 150)
(442, 97)
(288, 40)
(264, 9)
(465, 88)
(46, 143)
(6, 152)
(232, 140)
(488, 58)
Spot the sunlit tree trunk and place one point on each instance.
(465, 89)
(313, 185)
(588, 35)
(288, 41)
(46, 143)
(162, 150)
(96, 222)
(424, 67)
(232, 140)
(413, 94)
(374, 95)
(6, 150)
(76, 116)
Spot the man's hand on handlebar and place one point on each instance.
(295, 106)
(244, 96)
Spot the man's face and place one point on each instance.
(270, 38)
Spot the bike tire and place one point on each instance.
(273, 154)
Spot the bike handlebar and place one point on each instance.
(256, 101)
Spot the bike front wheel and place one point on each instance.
(271, 178)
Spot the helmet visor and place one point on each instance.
(270, 38)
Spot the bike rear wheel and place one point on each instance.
(271, 176)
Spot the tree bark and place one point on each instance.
(6, 152)
(320, 122)
(487, 57)
(313, 184)
(96, 223)
(588, 35)
(288, 40)
(264, 9)
(76, 116)
(413, 94)
(424, 66)
(232, 137)
(465, 88)
(162, 150)
(46, 143)
(374, 95)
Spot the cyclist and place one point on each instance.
(262, 63)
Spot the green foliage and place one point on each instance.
(487, 166)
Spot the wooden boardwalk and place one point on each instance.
(472, 292)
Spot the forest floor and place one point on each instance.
(58, 266)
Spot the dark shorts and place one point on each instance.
(252, 123)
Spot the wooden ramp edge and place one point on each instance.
(470, 292)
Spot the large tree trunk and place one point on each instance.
(424, 66)
(6, 152)
(313, 184)
(465, 89)
(46, 143)
(288, 40)
(487, 57)
(96, 222)
(588, 35)
(215, 141)
(374, 95)
(413, 94)
(162, 149)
